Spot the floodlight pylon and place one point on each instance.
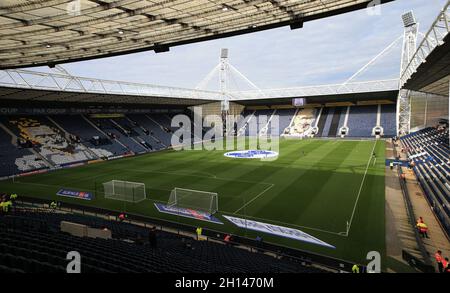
(411, 29)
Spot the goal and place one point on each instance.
(124, 190)
(194, 199)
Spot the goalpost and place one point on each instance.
(124, 190)
(194, 199)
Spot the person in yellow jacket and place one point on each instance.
(423, 229)
(355, 269)
(199, 232)
(6, 206)
(53, 205)
(13, 197)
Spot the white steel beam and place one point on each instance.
(433, 38)
(67, 83)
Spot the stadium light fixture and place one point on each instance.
(224, 53)
(409, 19)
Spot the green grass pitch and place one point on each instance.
(334, 182)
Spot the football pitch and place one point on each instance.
(330, 189)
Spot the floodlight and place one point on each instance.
(224, 53)
(409, 19)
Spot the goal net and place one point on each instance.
(194, 199)
(124, 190)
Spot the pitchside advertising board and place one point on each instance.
(277, 230)
(244, 224)
(187, 213)
(87, 110)
(75, 194)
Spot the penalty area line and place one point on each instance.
(254, 198)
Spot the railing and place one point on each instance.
(63, 82)
(412, 220)
(433, 38)
(320, 90)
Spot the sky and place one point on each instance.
(325, 51)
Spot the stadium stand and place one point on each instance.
(32, 242)
(159, 131)
(38, 239)
(164, 120)
(362, 120)
(248, 115)
(131, 129)
(330, 121)
(322, 121)
(388, 113)
(48, 140)
(140, 133)
(428, 150)
(118, 133)
(66, 139)
(285, 118)
(343, 117)
(263, 118)
(89, 135)
(14, 160)
(302, 122)
(334, 125)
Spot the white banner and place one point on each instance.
(276, 230)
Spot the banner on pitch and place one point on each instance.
(75, 194)
(277, 230)
(187, 213)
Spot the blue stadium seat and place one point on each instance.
(429, 149)
(26, 248)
